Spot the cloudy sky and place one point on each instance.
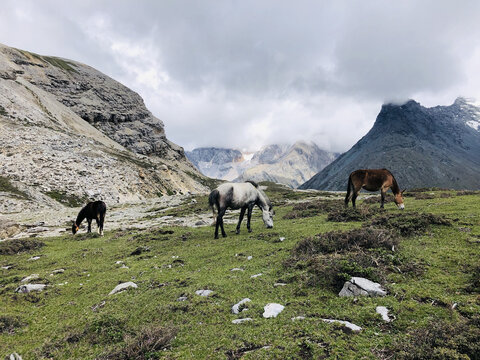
(246, 73)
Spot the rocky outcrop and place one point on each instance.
(422, 147)
(70, 133)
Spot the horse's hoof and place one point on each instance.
(215, 237)
(249, 230)
(237, 232)
(224, 235)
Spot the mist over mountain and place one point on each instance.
(282, 163)
(423, 147)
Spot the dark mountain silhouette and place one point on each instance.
(423, 147)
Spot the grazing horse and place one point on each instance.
(93, 210)
(373, 180)
(243, 196)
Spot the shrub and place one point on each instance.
(441, 340)
(144, 346)
(105, 330)
(341, 241)
(312, 208)
(15, 246)
(350, 214)
(8, 324)
(410, 223)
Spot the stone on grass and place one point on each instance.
(33, 258)
(347, 324)
(298, 318)
(360, 286)
(256, 275)
(182, 298)
(249, 257)
(239, 321)
(13, 356)
(383, 311)
(30, 277)
(204, 292)
(237, 269)
(279, 284)
(123, 286)
(6, 267)
(30, 287)
(272, 310)
(236, 307)
(58, 271)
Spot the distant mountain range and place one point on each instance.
(423, 147)
(287, 164)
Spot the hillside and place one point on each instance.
(423, 147)
(286, 164)
(70, 133)
(431, 275)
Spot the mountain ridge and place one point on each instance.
(423, 147)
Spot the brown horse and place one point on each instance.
(373, 180)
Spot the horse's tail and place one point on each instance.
(349, 190)
(214, 201)
(252, 182)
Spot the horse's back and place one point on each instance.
(371, 179)
(236, 195)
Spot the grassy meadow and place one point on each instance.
(426, 257)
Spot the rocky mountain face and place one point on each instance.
(423, 147)
(286, 164)
(70, 133)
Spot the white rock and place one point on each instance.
(361, 286)
(347, 324)
(6, 267)
(279, 284)
(58, 271)
(256, 275)
(249, 257)
(272, 310)
(14, 356)
(33, 258)
(203, 292)
(236, 307)
(239, 321)
(182, 298)
(237, 269)
(30, 277)
(123, 286)
(298, 318)
(30, 287)
(119, 262)
(383, 311)
(282, 238)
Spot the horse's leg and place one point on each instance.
(249, 216)
(102, 220)
(383, 193)
(219, 222)
(354, 197)
(97, 220)
(242, 214)
(89, 221)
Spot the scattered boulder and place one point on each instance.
(239, 321)
(30, 287)
(139, 250)
(33, 258)
(256, 275)
(182, 298)
(58, 271)
(30, 277)
(236, 307)
(13, 356)
(123, 286)
(204, 292)
(7, 267)
(237, 269)
(279, 284)
(250, 257)
(298, 318)
(272, 310)
(383, 311)
(358, 286)
(347, 324)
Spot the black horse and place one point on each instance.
(93, 210)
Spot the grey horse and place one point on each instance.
(243, 196)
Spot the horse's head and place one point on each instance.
(74, 228)
(399, 200)
(268, 216)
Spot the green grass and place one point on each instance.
(60, 323)
(66, 199)
(52, 60)
(7, 186)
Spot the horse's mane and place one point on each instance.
(253, 183)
